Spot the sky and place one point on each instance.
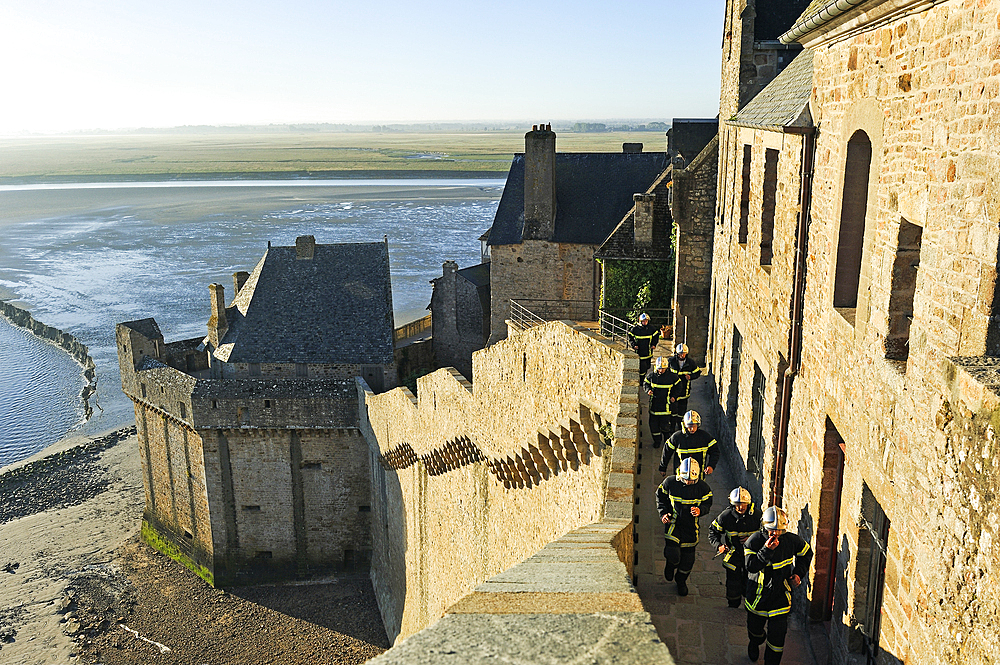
(78, 65)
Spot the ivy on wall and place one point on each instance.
(630, 287)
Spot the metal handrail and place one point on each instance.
(528, 312)
(617, 328)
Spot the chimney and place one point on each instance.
(632, 147)
(539, 183)
(217, 324)
(643, 219)
(305, 247)
(449, 268)
(239, 279)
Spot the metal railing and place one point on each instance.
(526, 313)
(617, 328)
(412, 329)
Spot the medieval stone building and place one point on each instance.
(853, 331)
(460, 304)
(556, 210)
(252, 460)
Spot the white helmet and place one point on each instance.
(643, 317)
(739, 495)
(659, 362)
(681, 348)
(691, 418)
(689, 469)
(775, 519)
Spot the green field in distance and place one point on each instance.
(314, 154)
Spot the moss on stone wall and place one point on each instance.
(152, 537)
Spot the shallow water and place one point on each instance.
(83, 258)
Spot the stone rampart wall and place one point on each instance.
(23, 319)
(468, 481)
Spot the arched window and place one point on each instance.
(852, 221)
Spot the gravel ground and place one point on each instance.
(150, 610)
(61, 480)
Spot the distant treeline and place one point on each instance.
(584, 127)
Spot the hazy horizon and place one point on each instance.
(119, 66)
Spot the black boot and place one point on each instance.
(682, 587)
(668, 572)
(753, 651)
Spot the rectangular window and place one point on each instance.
(903, 290)
(733, 403)
(755, 454)
(254, 369)
(768, 201)
(301, 370)
(745, 195)
(183, 410)
(873, 549)
(267, 404)
(142, 389)
(215, 404)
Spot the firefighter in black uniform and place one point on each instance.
(643, 338)
(657, 387)
(728, 533)
(691, 441)
(681, 500)
(682, 372)
(777, 561)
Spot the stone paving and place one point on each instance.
(700, 627)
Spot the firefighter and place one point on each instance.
(643, 338)
(683, 371)
(776, 561)
(691, 441)
(657, 387)
(728, 533)
(681, 500)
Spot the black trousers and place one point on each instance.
(677, 411)
(644, 364)
(736, 585)
(769, 631)
(657, 427)
(679, 559)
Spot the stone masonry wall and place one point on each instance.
(543, 270)
(693, 210)
(919, 434)
(753, 298)
(468, 481)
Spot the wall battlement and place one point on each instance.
(470, 480)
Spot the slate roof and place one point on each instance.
(593, 192)
(145, 327)
(621, 244)
(478, 275)
(335, 308)
(785, 100)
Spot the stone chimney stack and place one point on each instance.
(217, 324)
(239, 279)
(539, 183)
(643, 219)
(305, 247)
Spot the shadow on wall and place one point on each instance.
(805, 529)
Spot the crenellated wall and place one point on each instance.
(471, 480)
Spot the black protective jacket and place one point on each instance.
(701, 445)
(769, 592)
(643, 339)
(660, 385)
(682, 373)
(676, 498)
(732, 529)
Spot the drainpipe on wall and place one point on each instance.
(798, 295)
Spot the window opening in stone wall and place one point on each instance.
(254, 369)
(215, 404)
(768, 200)
(142, 389)
(183, 410)
(755, 452)
(267, 404)
(828, 530)
(301, 370)
(854, 206)
(524, 368)
(251, 509)
(745, 195)
(904, 288)
(733, 402)
(873, 541)
(372, 374)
